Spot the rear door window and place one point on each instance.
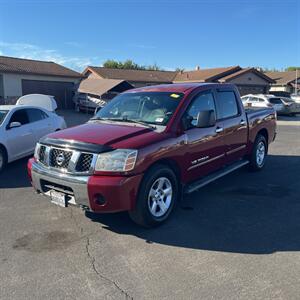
(226, 104)
(36, 114)
(275, 101)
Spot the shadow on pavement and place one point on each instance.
(256, 213)
(15, 175)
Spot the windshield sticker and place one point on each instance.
(159, 120)
(175, 96)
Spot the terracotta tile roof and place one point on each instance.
(134, 75)
(29, 66)
(204, 75)
(283, 77)
(244, 71)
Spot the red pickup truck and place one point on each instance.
(149, 146)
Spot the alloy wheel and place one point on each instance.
(260, 153)
(160, 197)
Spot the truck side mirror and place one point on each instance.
(206, 118)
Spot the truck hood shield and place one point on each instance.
(93, 137)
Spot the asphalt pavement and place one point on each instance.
(237, 238)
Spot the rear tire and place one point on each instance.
(3, 159)
(259, 153)
(157, 196)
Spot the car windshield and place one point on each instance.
(145, 107)
(3, 113)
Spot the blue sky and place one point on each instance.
(169, 33)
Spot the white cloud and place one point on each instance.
(24, 50)
(142, 46)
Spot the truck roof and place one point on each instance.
(175, 87)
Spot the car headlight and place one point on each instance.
(36, 151)
(119, 160)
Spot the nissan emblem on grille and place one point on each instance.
(60, 159)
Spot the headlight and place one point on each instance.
(36, 151)
(116, 161)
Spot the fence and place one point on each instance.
(8, 100)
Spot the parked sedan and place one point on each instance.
(282, 105)
(291, 106)
(21, 127)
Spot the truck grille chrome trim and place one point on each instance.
(45, 180)
(65, 160)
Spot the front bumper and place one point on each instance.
(118, 192)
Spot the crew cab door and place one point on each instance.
(20, 140)
(205, 146)
(234, 120)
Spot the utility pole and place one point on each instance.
(296, 81)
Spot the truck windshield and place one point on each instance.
(2, 115)
(147, 107)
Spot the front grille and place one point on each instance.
(66, 160)
(84, 162)
(42, 156)
(60, 158)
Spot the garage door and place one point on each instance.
(62, 91)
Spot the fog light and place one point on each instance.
(99, 199)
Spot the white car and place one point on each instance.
(296, 97)
(21, 126)
(260, 100)
(282, 105)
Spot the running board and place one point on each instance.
(214, 176)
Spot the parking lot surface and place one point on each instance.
(236, 238)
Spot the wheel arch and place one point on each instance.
(171, 163)
(264, 133)
(2, 146)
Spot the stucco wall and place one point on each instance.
(12, 83)
(249, 78)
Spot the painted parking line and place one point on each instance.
(288, 123)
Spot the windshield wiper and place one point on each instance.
(125, 120)
(139, 122)
(95, 118)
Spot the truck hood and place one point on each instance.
(100, 133)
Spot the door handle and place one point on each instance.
(243, 122)
(219, 129)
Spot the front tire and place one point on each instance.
(157, 196)
(259, 153)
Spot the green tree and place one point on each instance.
(112, 64)
(153, 67)
(292, 68)
(268, 69)
(129, 64)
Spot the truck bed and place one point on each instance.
(250, 110)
